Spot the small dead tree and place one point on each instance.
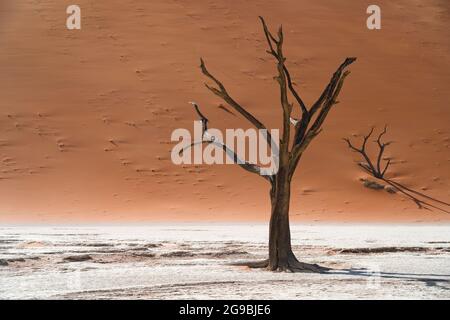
(374, 168)
(290, 151)
(368, 165)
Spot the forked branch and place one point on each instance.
(278, 54)
(210, 139)
(368, 165)
(305, 131)
(222, 92)
(284, 81)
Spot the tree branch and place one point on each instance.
(324, 104)
(382, 147)
(303, 136)
(369, 165)
(283, 79)
(206, 138)
(270, 38)
(222, 93)
(331, 85)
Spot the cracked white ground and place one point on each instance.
(191, 261)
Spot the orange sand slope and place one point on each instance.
(86, 116)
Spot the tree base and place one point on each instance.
(292, 265)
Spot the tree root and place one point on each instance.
(252, 264)
(297, 266)
(292, 265)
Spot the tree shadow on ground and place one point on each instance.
(430, 279)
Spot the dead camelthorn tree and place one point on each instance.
(368, 166)
(290, 150)
(378, 170)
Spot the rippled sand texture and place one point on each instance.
(86, 116)
(193, 262)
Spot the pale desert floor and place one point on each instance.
(190, 261)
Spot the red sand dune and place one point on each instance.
(86, 116)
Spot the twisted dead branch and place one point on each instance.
(375, 170)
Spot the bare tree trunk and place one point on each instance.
(279, 231)
(281, 256)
